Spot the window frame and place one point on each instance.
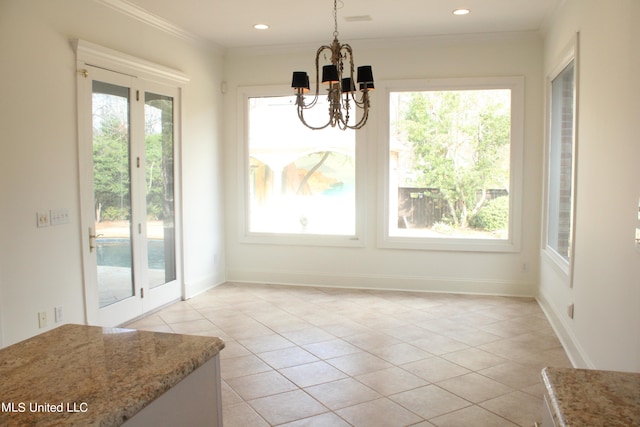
(244, 93)
(568, 55)
(513, 243)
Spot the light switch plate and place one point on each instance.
(59, 216)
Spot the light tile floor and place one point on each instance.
(311, 356)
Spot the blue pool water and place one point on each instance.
(117, 253)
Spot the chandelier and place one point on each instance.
(338, 76)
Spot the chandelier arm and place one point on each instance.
(349, 55)
(302, 107)
(304, 122)
(362, 121)
(364, 105)
(318, 53)
(300, 102)
(317, 92)
(365, 114)
(359, 103)
(344, 118)
(348, 49)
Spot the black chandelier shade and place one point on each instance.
(300, 81)
(365, 74)
(347, 85)
(330, 75)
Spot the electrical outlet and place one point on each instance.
(43, 219)
(57, 314)
(42, 319)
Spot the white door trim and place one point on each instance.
(149, 76)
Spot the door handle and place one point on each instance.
(92, 239)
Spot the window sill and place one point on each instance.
(302, 240)
(559, 264)
(448, 244)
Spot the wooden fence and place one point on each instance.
(424, 207)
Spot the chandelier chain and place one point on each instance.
(335, 19)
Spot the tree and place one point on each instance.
(111, 169)
(159, 149)
(459, 142)
(111, 158)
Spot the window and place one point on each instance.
(300, 183)
(453, 164)
(561, 161)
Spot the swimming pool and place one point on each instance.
(116, 252)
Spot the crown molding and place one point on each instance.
(393, 43)
(142, 15)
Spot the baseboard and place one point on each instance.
(197, 287)
(390, 283)
(572, 347)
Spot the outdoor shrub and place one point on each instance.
(492, 216)
(113, 213)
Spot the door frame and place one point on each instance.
(89, 55)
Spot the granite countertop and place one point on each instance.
(88, 375)
(581, 397)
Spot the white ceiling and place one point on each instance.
(229, 23)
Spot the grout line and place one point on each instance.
(255, 306)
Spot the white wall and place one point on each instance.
(605, 332)
(41, 268)
(370, 266)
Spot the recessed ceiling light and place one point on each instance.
(261, 27)
(460, 12)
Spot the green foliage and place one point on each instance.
(492, 216)
(111, 162)
(159, 159)
(460, 145)
(443, 227)
(111, 167)
(113, 213)
(154, 176)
